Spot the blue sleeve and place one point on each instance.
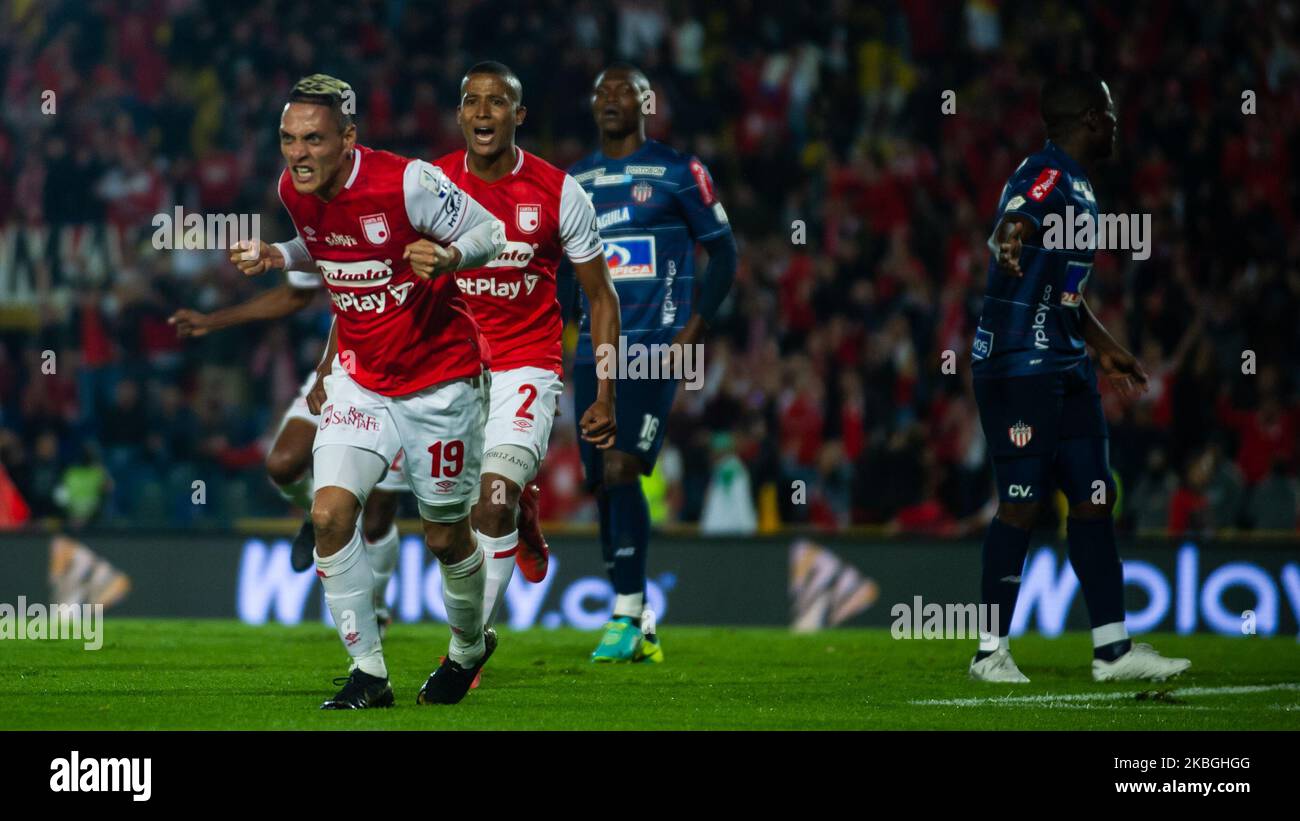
(718, 276)
(697, 200)
(1035, 193)
(566, 291)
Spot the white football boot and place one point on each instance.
(998, 668)
(1141, 662)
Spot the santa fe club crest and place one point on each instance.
(642, 191)
(528, 217)
(375, 227)
(1020, 434)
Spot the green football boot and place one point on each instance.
(621, 642)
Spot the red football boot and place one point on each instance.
(534, 555)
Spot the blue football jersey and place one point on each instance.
(1031, 324)
(652, 206)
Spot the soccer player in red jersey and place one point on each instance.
(410, 374)
(547, 216)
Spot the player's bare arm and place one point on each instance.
(254, 257)
(597, 421)
(1011, 233)
(276, 303)
(316, 398)
(429, 259)
(1119, 365)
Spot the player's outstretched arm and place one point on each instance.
(597, 422)
(1119, 365)
(276, 303)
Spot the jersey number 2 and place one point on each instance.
(528, 401)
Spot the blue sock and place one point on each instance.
(629, 537)
(1005, 548)
(606, 537)
(1095, 560)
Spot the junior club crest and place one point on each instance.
(1020, 434)
(375, 227)
(528, 217)
(642, 191)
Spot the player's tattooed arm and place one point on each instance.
(1012, 231)
(275, 303)
(1120, 366)
(316, 397)
(597, 423)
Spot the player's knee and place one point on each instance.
(284, 466)
(333, 514)
(1020, 515)
(494, 519)
(449, 543)
(1091, 510)
(621, 468)
(381, 509)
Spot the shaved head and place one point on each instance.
(1066, 98)
(634, 75)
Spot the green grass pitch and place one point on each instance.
(171, 674)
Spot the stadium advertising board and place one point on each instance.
(1183, 587)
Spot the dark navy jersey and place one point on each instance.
(1031, 324)
(652, 206)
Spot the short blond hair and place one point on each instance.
(322, 89)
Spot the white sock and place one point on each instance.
(383, 561)
(629, 604)
(349, 591)
(462, 595)
(298, 493)
(1109, 634)
(499, 557)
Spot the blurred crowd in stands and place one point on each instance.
(861, 208)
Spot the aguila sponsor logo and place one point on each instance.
(1044, 184)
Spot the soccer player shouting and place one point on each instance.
(418, 384)
(653, 206)
(547, 217)
(1037, 391)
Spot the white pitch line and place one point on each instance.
(1110, 695)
